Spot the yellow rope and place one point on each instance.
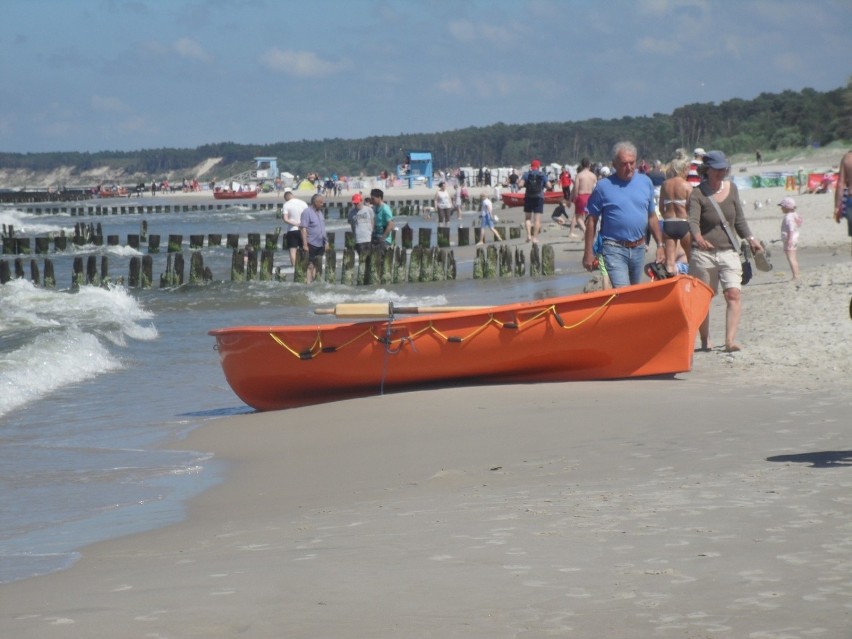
(592, 314)
(316, 348)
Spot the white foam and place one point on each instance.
(26, 224)
(378, 295)
(50, 339)
(52, 360)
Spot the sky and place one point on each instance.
(125, 75)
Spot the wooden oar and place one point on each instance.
(386, 309)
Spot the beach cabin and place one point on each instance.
(417, 169)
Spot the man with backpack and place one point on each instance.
(534, 183)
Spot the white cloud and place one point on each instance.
(467, 31)
(107, 104)
(299, 63)
(453, 86)
(189, 48)
(657, 45)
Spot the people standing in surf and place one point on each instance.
(361, 220)
(292, 215)
(383, 226)
(314, 239)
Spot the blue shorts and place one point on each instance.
(847, 213)
(534, 205)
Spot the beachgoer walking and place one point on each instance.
(513, 181)
(486, 218)
(714, 258)
(843, 192)
(624, 204)
(314, 240)
(292, 215)
(565, 182)
(790, 233)
(584, 184)
(361, 220)
(674, 199)
(535, 183)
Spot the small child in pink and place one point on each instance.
(790, 233)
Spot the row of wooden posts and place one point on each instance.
(393, 265)
(91, 234)
(400, 206)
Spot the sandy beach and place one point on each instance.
(715, 504)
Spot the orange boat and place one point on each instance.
(641, 330)
(517, 199)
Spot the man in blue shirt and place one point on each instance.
(624, 204)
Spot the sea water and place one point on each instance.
(96, 382)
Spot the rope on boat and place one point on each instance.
(394, 346)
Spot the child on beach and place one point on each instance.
(486, 217)
(790, 233)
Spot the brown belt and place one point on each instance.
(632, 244)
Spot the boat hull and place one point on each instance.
(517, 199)
(234, 195)
(643, 330)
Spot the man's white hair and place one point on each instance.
(624, 147)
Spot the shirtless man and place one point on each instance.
(584, 184)
(674, 197)
(843, 192)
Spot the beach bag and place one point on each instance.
(746, 271)
(534, 184)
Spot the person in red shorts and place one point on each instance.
(584, 184)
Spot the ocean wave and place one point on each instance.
(52, 360)
(51, 339)
(27, 224)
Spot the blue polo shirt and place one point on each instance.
(622, 206)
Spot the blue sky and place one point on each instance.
(94, 75)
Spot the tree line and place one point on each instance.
(768, 122)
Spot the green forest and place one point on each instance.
(769, 121)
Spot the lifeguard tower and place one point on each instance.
(266, 169)
(418, 168)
